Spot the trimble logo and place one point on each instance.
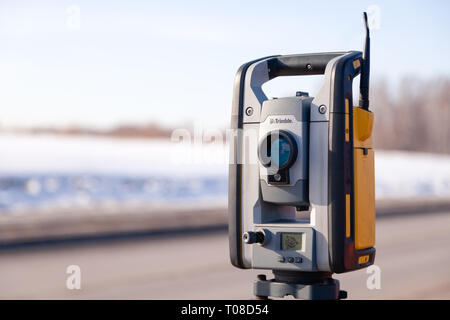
(280, 120)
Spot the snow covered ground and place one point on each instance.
(44, 171)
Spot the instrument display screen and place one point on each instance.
(291, 241)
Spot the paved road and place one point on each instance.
(412, 252)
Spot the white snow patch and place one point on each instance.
(52, 171)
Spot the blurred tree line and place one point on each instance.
(415, 116)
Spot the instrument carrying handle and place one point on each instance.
(300, 64)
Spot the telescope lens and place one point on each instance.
(280, 151)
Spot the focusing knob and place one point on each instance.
(251, 237)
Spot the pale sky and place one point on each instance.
(102, 63)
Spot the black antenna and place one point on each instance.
(365, 70)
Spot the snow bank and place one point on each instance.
(63, 171)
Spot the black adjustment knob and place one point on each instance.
(302, 94)
(251, 237)
(342, 294)
(262, 277)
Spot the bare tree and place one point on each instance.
(414, 117)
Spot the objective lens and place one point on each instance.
(280, 151)
(277, 151)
